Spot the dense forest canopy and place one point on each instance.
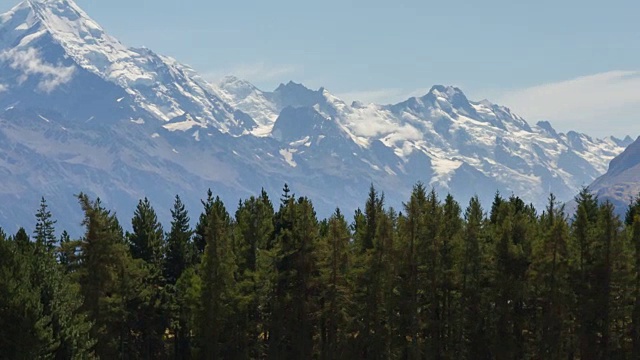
(434, 280)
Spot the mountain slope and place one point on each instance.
(621, 183)
(500, 148)
(79, 111)
(36, 29)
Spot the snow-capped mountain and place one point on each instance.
(79, 111)
(451, 139)
(621, 183)
(37, 32)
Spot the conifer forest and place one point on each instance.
(267, 279)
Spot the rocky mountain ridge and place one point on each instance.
(80, 111)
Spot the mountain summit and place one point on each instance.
(54, 38)
(80, 111)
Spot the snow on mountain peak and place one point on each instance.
(67, 9)
(546, 126)
(71, 26)
(446, 91)
(449, 94)
(244, 96)
(80, 37)
(159, 85)
(237, 86)
(67, 3)
(82, 76)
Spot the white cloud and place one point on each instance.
(3, 87)
(601, 104)
(29, 62)
(376, 126)
(255, 72)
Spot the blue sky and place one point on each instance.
(576, 63)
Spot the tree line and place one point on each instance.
(431, 281)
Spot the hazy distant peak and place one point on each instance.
(237, 85)
(446, 91)
(546, 126)
(291, 86)
(231, 79)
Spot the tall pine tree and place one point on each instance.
(177, 260)
(632, 221)
(109, 280)
(146, 243)
(216, 335)
(254, 231)
(334, 267)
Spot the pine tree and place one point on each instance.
(254, 231)
(44, 233)
(292, 326)
(372, 208)
(368, 269)
(177, 260)
(71, 325)
(424, 283)
(25, 330)
(187, 297)
(633, 223)
(632, 211)
(475, 316)
(110, 280)
(199, 240)
(279, 339)
(550, 277)
(41, 307)
(286, 196)
(59, 296)
(495, 208)
(384, 259)
(146, 243)
(23, 241)
(451, 234)
(218, 297)
(67, 252)
(334, 275)
(430, 269)
(178, 250)
(583, 245)
(374, 280)
(613, 276)
(414, 231)
(254, 219)
(512, 232)
(306, 291)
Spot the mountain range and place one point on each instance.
(80, 111)
(621, 183)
